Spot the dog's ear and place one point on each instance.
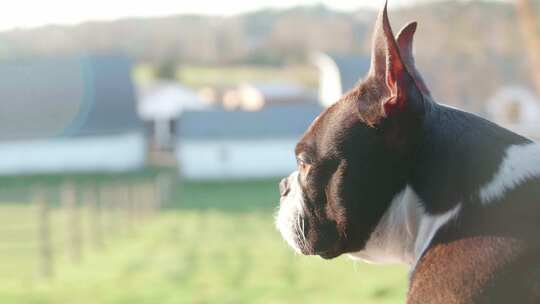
(389, 70)
(405, 39)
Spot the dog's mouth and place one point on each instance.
(307, 248)
(295, 235)
(294, 224)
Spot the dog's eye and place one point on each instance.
(302, 164)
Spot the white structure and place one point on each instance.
(239, 145)
(81, 120)
(116, 153)
(338, 74)
(516, 108)
(161, 103)
(255, 96)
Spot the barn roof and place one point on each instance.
(285, 121)
(65, 97)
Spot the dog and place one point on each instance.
(388, 175)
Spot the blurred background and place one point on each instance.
(141, 142)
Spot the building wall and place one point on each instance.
(236, 159)
(83, 154)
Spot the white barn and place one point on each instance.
(238, 145)
(160, 104)
(72, 114)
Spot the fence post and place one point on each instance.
(69, 201)
(44, 227)
(128, 207)
(113, 208)
(123, 205)
(145, 201)
(163, 189)
(96, 226)
(107, 199)
(136, 202)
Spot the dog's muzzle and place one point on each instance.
(290, 220)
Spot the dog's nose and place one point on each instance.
(284, 187)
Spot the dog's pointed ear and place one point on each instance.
(405, 39)
(387, 67)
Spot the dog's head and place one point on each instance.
(355, 156)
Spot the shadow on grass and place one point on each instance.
(234, 196)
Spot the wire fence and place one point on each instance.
(66, 222)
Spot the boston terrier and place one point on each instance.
(388, 175)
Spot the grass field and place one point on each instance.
(215, 243)
(201, 76)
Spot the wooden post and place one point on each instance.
(44, 232)
(136, 202)
(163, 189)
(69, 201)
(150, 199)
(113, 208)
(107, 200)
(145, 201)
(103, 194)
(122, 205)
(159, 185)
(129, 205)
(96, 222)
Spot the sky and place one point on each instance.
(32, 13)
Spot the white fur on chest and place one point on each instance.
(521, 162)
(404, 232)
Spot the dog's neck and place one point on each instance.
(404, 232)
(462, 159)
(458, 153)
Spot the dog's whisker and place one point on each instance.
(303, 230)
(298, 231)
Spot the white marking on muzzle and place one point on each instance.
(290, 217)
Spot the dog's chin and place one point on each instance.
(308, 251)
(328, 255)
(303, 247)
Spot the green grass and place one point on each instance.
(198, 76)
(201, 76)
(215, 243)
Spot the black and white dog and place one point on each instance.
(388, 175)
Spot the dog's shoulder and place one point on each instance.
(509, 204)
(480, 269)
(490, 251)
(518, 173)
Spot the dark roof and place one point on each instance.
(71, 96)
(351, 69)
(286, 121)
